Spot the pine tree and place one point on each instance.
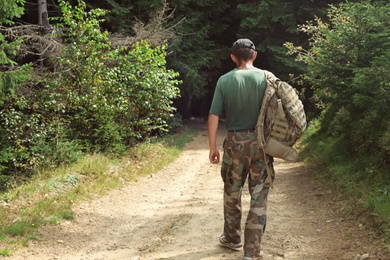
(197, 50)
(11, 74)
(272, 23)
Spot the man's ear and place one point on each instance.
(254, 56)
(234, 59)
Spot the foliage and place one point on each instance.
(271, 23)
(197, 34)
(146, 89)
(11, 75)
(97, 98)
(101, 97)
(108, 96)
(10, 9)
(29, 141)
(75, 93)
(118, 15)
(199, 46)
(204, 31)
(347, 63)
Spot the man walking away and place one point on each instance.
(239, 94)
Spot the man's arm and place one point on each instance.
(212, 127)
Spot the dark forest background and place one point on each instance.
(199, 35)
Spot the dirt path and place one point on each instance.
(177, 214)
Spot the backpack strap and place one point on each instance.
(269, 173)
(269, 92)
(261, 138)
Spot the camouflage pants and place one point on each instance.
(242, 159)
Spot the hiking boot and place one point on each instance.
(224, 242)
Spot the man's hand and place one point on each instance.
(214, 155)
(212, 127)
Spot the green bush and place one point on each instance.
(12, 75)
(347, 64)
(109, 98)
(97, 99)
(29, 141)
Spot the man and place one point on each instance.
(239, 93)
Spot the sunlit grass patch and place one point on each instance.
(17, 229)
(5, 252)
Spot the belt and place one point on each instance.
(242, 130)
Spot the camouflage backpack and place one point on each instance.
(281, 121)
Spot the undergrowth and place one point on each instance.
(356, 178)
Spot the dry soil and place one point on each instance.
(176, 214)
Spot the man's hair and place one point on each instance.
(243, 54)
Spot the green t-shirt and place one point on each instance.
(239, 93)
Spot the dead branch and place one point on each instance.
(45, 42)
(33, 42)
(156, 32)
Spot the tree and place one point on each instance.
(43, 21)
(204, 31)
(43, 15)
(272, 23)
(110, 96)
(196, 52)
(98, 96)
(11, 74)
(346, 64)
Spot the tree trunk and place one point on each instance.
(43, 22)
(43, 17)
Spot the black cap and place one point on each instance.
(243, 43)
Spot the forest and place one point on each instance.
(79, 77)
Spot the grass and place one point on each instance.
(48, 197)
(364, 187)
(16, 229)
(5, 252)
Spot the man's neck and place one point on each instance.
(245, 65)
